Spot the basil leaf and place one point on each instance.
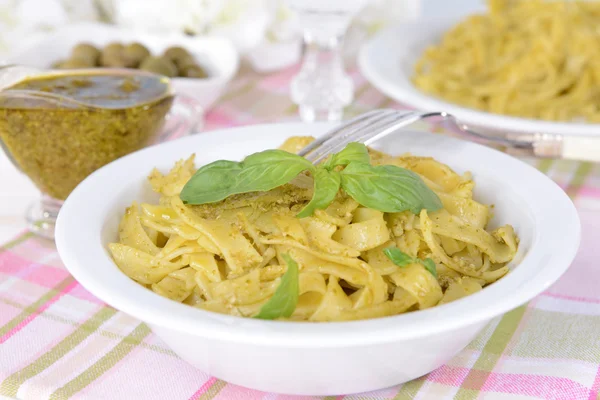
(388, 188)
(402, 259)
(258, 172)
(327, 184)
(352, 152)
(398, 257)
(429, 265)
(284, 300)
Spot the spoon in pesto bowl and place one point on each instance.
(57, 127)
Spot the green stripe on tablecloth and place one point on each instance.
(579, 178)
(544, 165)
(105, 363)
(101, 332)
(212, 391)
(15, 241)
(491, 354)
(35, 306)
(409, 390)
(11, 385)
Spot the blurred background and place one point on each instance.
(266, 35)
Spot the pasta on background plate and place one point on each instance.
(526, 58)
(349, 261)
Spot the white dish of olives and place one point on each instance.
(200, 67)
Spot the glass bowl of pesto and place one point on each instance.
(57, 127)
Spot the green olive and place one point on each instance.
(113, 48)
(73, 63)
(194, 71)
(112, 61)
(176, 53)
(86, 51)
(159, 65)
(184, 62)
(135, 53)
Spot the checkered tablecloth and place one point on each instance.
(59, 342)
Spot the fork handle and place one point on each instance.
(581, 148)
(556, 146)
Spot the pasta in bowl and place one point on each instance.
(331, 357)
(258, 254)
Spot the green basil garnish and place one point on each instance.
(352, 152)
(284, 300)
(259, 172)
(429, 265)
(327, 184)
(402, 259)
(386, 188)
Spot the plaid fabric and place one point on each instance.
(59, 342)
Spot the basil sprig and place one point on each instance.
(259, 172)
(386, 188)
(402, 259)
(284, 300)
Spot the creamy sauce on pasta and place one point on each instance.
(226, 257)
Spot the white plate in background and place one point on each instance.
(217, 55)
(387, 62)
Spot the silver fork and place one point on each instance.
(369, 127)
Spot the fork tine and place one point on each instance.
(390, 122)
(348, 125)
(341, 135)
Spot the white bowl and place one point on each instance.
(216, 54)
(320, 358)
(387, 62)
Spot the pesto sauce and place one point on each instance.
(104, 116)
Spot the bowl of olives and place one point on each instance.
(199, 67)
(174, 62)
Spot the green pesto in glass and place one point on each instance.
(60, 127)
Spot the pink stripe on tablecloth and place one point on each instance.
(573, 298)
(595, 392)
(589, 191)
(40, 310)
(449, 375)
(80, 293)
(546, 387)
(218, 119)
(239, 392)
(14, 265)
(203, 388)
(281, 79)
(43, 275)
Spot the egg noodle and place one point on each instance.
(228, 256)
(527, 58)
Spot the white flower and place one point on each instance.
(190, 16)
(244, 22)
(267, 31)
(22, 22)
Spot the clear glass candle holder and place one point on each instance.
(322, 88)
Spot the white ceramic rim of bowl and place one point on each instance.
(379, 61)
(88, 261)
